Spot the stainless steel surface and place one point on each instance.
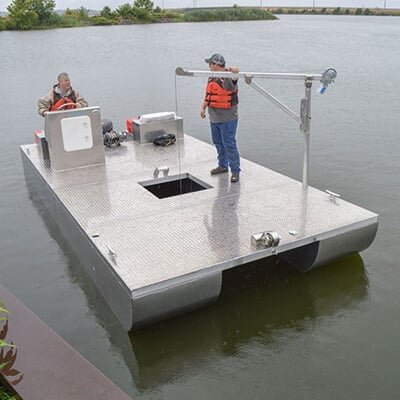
(332, 195)
(163, 169)
(176, 299)
(265, 239)
(314, 255)
(264, 75)
(305, 116)
(274, 100)
(74, 138)
(151, 247)
(146, 130)
(328, 76)
(98, 268)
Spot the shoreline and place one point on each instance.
(334, 11)
(273, 10)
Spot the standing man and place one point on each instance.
(222, 102)
(61, 97)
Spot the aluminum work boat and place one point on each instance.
(155, 231)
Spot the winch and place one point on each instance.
(110, 136)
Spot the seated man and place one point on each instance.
(61, 97)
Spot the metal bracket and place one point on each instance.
(164, 170)
(332, 196)
(248, 79)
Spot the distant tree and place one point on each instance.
(83, 13)
(143, 10)
(27, 14)
(80, 14)
(107, 13)
(21, 16)
(337, 10)
(358, 11)
(125, 11)
(44, 9)
(147, 5)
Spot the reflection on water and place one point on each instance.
(259, 301)
(354, 151)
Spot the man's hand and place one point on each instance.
(203, 113)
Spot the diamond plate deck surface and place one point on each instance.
(162, 241)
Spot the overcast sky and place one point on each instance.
(113, 4)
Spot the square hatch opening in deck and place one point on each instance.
(175, 185)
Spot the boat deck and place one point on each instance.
(153, 244)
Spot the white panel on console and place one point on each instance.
(77, 133)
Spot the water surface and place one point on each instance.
(275, 333)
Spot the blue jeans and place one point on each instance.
(224, 137)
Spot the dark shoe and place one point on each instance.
(218, 170)
(235, 177)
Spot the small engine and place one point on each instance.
(110, 136)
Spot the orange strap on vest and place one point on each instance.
(218, 97)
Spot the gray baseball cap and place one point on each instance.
(216, 59)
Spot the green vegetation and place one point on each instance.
(334, 11)
(5, 394)
(41, 14)
(228, 14)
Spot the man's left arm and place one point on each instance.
(235, 70)
(231, 83)
(81, 100)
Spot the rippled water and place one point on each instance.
(275, 333)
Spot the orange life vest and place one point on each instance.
(58, 101)
(218, 97)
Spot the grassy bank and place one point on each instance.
(334, 11)
(142, 12)
(127, 14)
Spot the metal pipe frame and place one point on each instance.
(305, 103)
(274, 100)
(263, 75)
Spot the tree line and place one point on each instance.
(334, 11)
(41, 14)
